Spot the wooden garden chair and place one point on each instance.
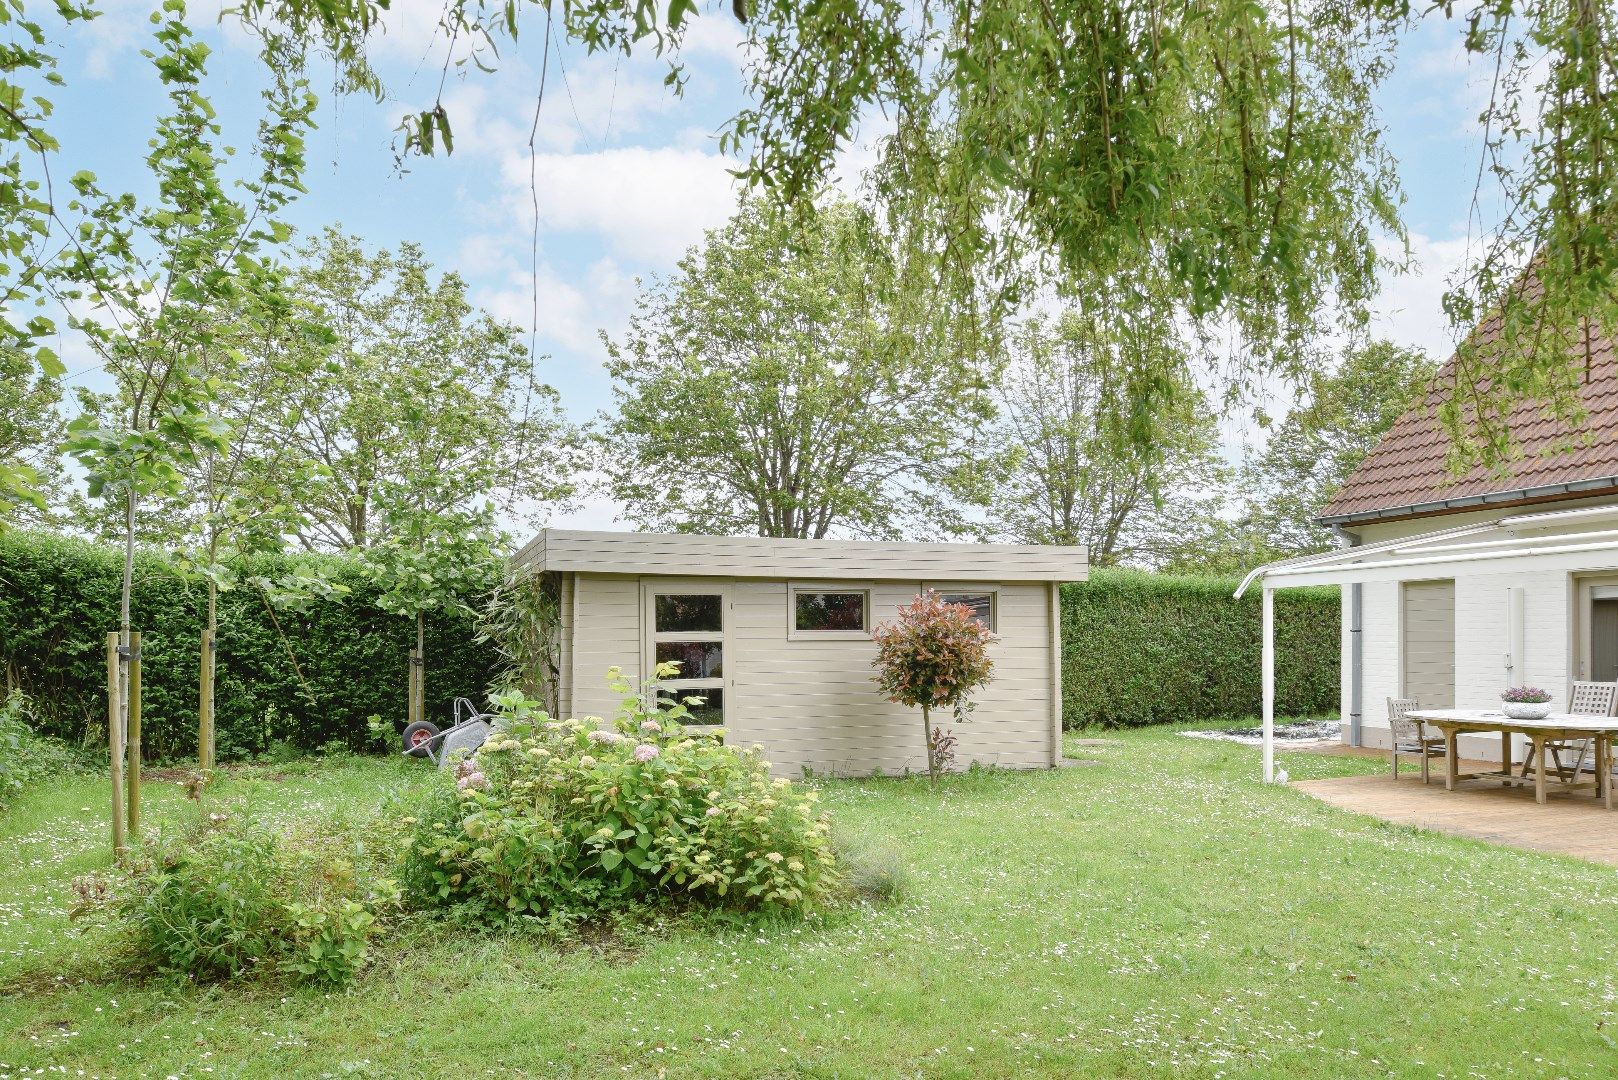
(1410, 736)
(1566, 757)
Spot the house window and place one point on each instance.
(825, 612)
(981, 603)
(688, 628)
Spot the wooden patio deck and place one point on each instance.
(1571, 823)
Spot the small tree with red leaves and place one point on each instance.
(933, 657)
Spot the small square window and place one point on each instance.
(815, 612)
(982, 605)
(677, 613)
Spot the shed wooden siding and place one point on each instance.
(1429, 643)
(678, 555)
(812, 704)
(606, 633)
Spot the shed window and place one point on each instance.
(822, 612)
(697, 659)
(982, 605)
(704, 705)
(684, 613)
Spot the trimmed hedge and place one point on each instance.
(1141, 648)
(59, 599)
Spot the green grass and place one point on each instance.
(1158, 913)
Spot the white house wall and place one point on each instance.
(1482, 636)
(812, 703)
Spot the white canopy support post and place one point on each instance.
(1269, 685)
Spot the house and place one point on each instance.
(1456, 587)
(774, 635)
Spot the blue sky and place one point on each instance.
(628, 176)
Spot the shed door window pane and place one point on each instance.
(688, 614)
(982, 605)
(710, 710)
(830, 611)
(697, 659)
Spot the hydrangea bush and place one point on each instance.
(578, 816)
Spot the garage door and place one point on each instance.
(1429, 643)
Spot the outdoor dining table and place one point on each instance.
(1456, 722)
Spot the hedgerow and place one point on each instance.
(1141, 648)
(297, 680)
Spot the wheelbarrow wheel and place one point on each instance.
(416, 736)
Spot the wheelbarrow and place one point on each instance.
(424, 739)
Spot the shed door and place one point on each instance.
(1429, 643)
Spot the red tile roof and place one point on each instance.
(1405, 474)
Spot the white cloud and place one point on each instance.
(645, 204)
(1409, 309)
(571, 311)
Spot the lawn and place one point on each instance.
(1154, 913)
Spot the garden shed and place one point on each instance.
(774, 634)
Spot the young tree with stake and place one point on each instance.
(156, 279)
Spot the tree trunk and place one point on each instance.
(210, 635)
(927, 730)
(421, 665)
(123, 614)
(123, 658)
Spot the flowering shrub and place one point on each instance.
(1531, 695)
(933, 657)
(584, 815)
(225, 896)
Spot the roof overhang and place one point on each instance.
(1583, 538)
(1482, 500)
(691, 555)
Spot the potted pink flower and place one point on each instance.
(1526, 703)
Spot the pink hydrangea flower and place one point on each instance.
(645, 752)
(650, 727)
(714, 811)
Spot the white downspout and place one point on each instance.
(1516, 649)
(1356, 649)
(1269, 684)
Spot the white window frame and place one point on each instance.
(650, 590)
(796, 587)
(976, 588)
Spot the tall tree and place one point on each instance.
(1228, 148)
(415, 397)
(1270, 508)
(1075, 471)
(30, 438)
(33, 239)
(1320, 442)
(785, 381)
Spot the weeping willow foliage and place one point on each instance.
(1220, 160)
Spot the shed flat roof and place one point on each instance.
(686, 555)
